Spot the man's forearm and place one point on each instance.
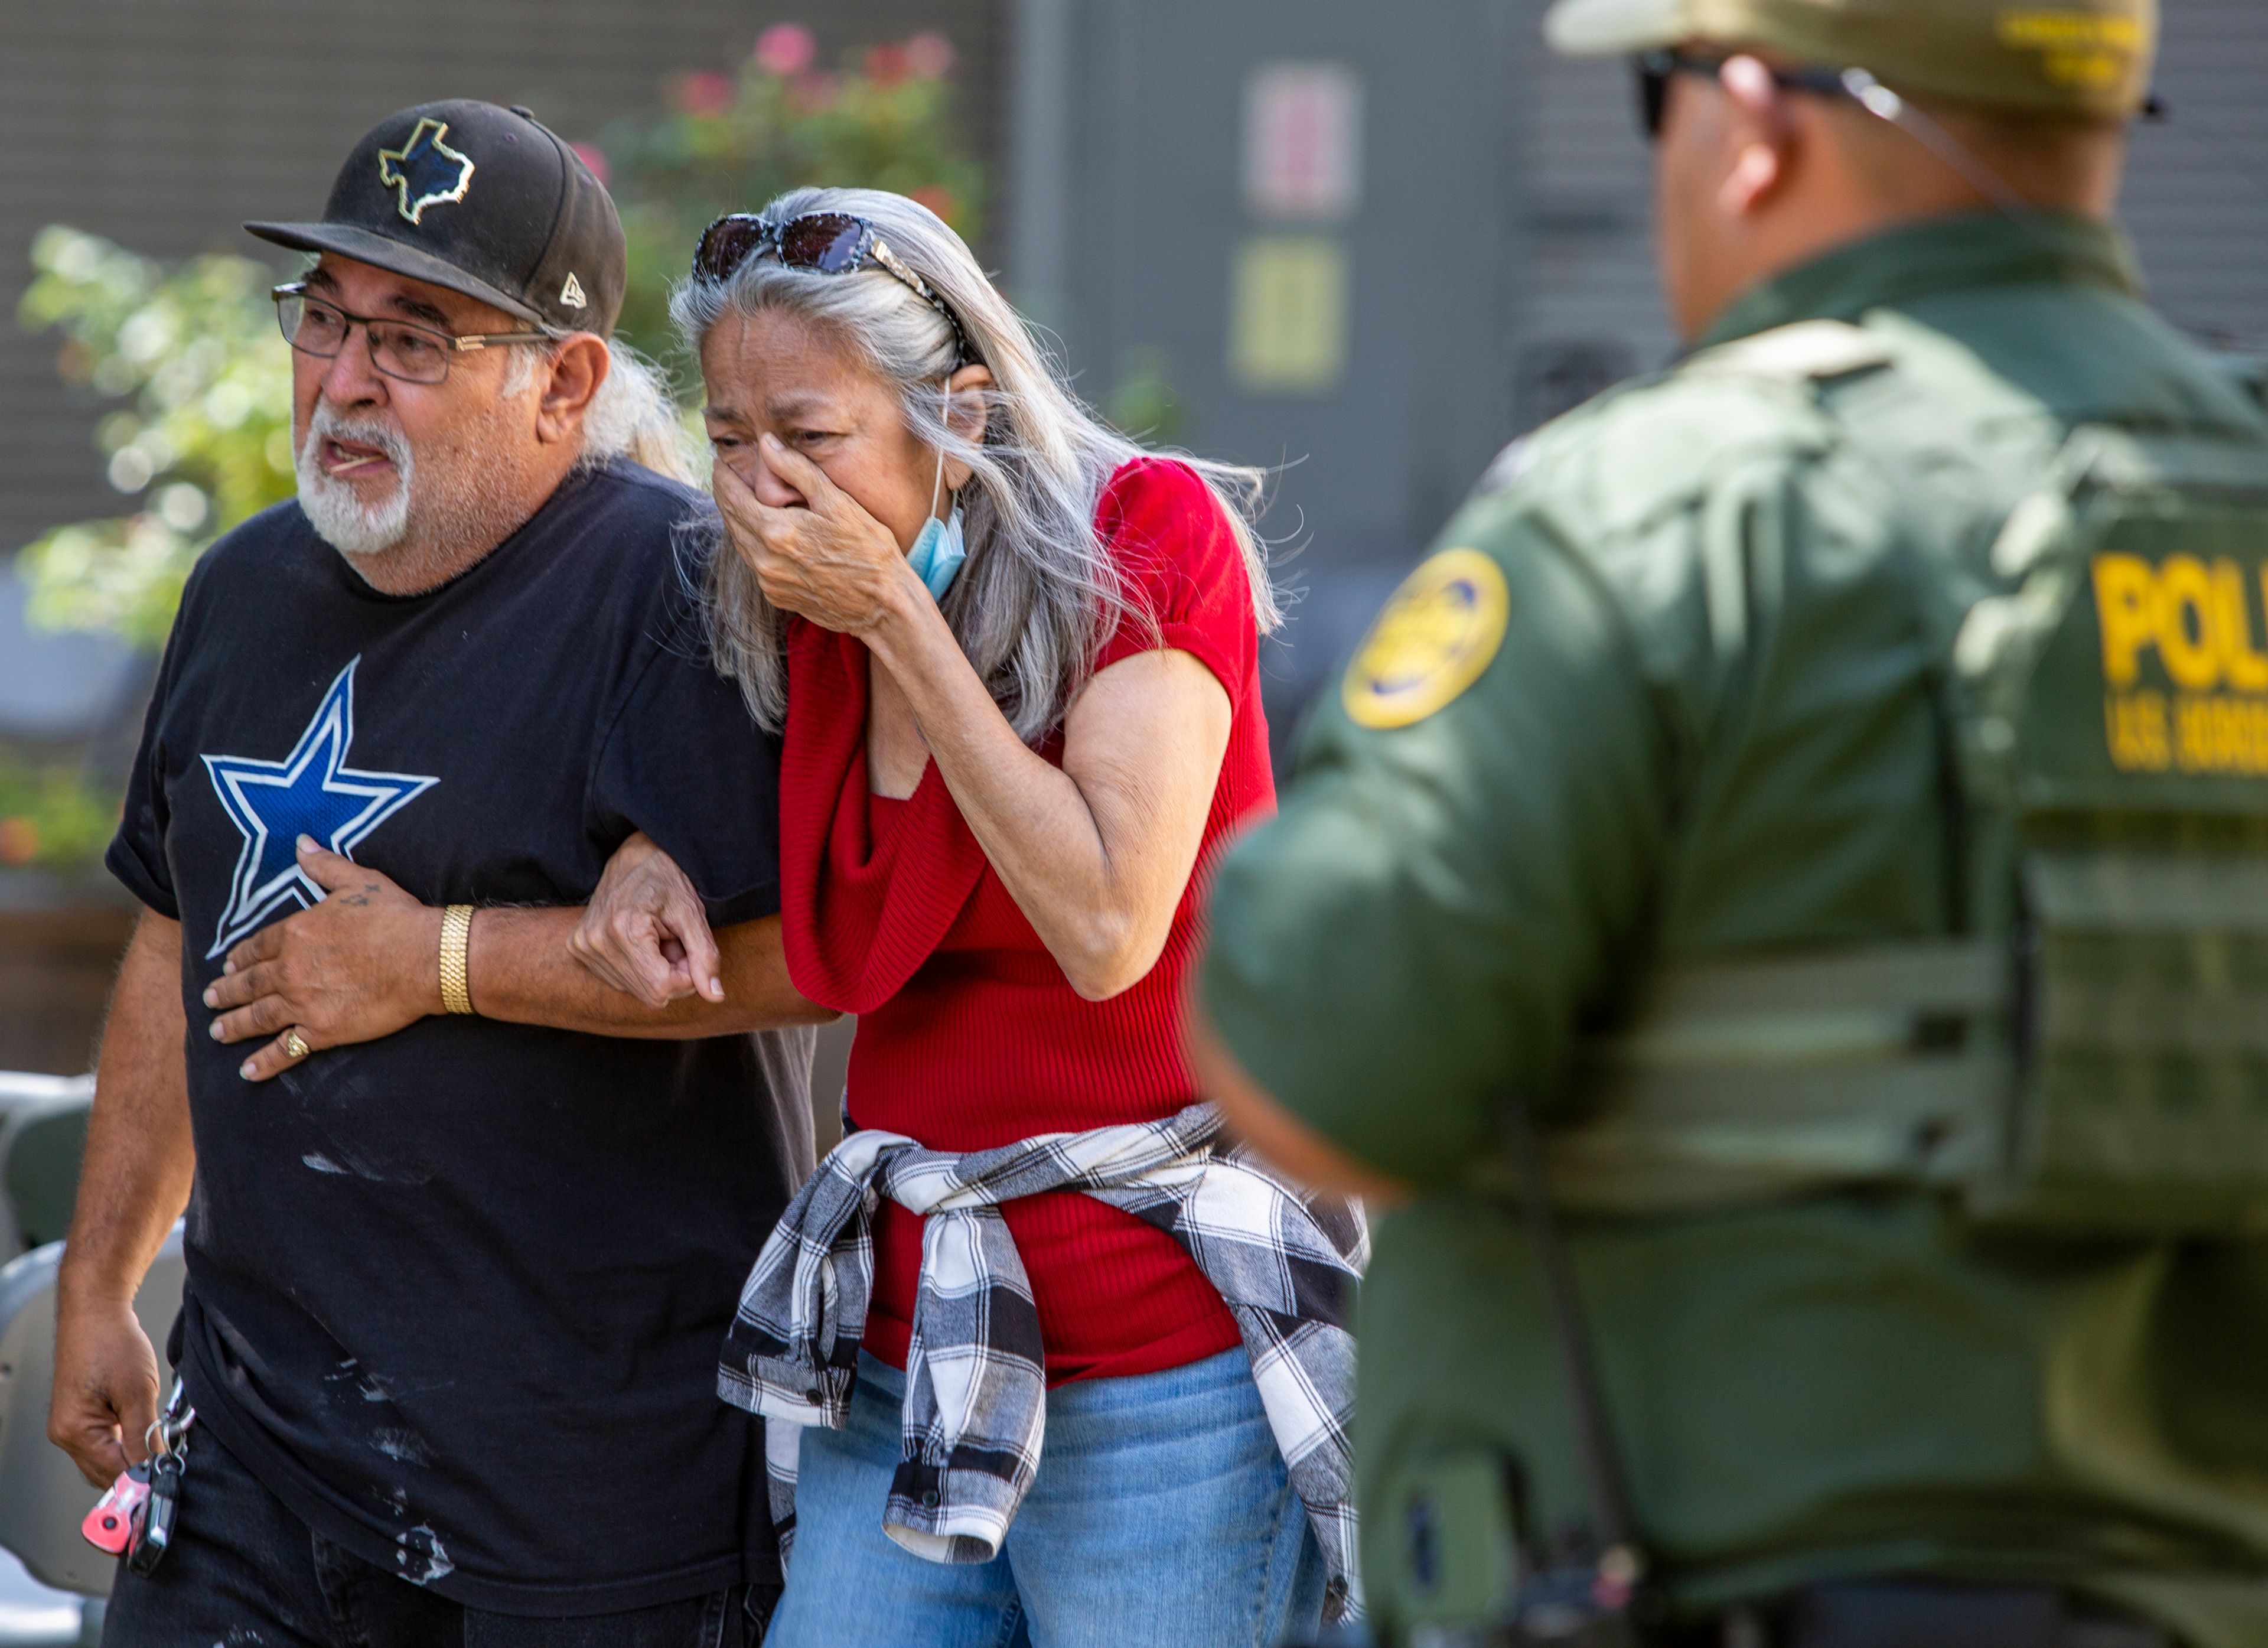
(521, 970)
(139, 1158)
(365, 963)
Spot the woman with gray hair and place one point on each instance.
(1052, 1351)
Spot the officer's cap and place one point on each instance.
(2072, 57)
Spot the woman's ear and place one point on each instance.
(969, 414)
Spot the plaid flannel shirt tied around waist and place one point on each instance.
(1286, 1262)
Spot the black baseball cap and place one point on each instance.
(485, 201)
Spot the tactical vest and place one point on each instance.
(2094, 1059)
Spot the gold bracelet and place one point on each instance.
(456, 946)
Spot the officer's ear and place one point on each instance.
(1759, 133)
(578, 367)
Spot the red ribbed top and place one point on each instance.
(969, 1036)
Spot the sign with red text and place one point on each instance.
(1303, 142)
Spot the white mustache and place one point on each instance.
(325, 424)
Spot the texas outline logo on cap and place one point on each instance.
(426, 166)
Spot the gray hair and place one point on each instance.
(1040, 592)
(632, 415)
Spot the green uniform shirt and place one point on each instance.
(1708, 729)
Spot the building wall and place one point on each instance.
(1156, 215)
(2197, 190)
(1501, 257)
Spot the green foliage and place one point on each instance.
(732, 142)
(204, 440)
(50, 817)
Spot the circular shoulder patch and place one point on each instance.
(1434, 639)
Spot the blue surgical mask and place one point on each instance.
(937, 552)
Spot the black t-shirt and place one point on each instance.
(456, 1296)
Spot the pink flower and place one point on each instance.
(887, 66)
(930, 54)
(705, 93)
(593, 157)
(785, 49)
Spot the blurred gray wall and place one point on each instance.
(1500, 259)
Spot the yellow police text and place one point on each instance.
(2188, 732)
(2193, 614)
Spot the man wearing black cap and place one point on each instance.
(454, 1295)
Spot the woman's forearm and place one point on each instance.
(1035, 826)
(1050, 832)
(521, 969)
(1098, 852)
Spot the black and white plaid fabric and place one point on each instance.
(1286, 1262)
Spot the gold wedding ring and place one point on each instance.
(294, 1045)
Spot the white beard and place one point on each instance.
(440, 515)
(357, 530)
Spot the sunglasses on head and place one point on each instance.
(819, 243)
(1656, 69)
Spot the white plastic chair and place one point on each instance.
(26, 1099)
(43, 1499)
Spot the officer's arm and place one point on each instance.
(1254, 1115)
(1439, 901)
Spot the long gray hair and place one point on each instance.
(1040, 592)
(631, 417)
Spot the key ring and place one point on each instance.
(169, 1431)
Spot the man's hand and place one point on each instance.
(644, 932)
(362, 964)
(106, 1391)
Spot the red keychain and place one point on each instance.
(110, 1526)
(120, 1523)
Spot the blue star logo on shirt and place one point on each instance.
(311, 791)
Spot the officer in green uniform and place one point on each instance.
(1824, 786)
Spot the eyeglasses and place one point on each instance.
(400, 349)
(821, 243)
(1655, 69)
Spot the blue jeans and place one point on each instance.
(1160, 1518)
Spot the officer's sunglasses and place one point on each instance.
(1656, 69)
(400, 349)
(821, 243)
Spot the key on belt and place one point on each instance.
(136, 1515)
